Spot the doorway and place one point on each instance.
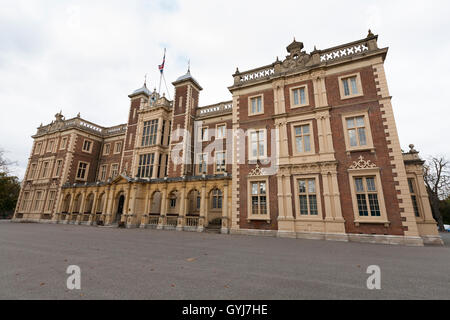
(120, 208)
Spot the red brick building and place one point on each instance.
(306, 148)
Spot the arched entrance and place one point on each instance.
(120, 206)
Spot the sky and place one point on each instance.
(87, 56)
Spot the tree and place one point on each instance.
(9, 188)
(444, 208)
(437, 181)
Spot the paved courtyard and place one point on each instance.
(155, 264)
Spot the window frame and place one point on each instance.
(199, 172)
(417, 195)
(295, 152)
(202, 138)
(57, 174)
(250, 215)
(250, 98)
(358, 86)
(91, 145)
(298, 215)
(225, 162)
(86, 171)
(249, 143)
(217, 131)
(38, 147)
(63, 144)
(106, 149)
(365, 173)
(117, 143)
(291, 91)
(369, 140)
(111, 171)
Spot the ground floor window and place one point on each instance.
(413, 192)
(307, 196)
(216, 199)
(258, 198)
(367, 196)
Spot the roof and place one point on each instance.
(185, 77)
(143, 90)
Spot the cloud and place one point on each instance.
(87, 56)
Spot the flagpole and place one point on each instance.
(161, 69)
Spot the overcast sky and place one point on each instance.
(87, 56)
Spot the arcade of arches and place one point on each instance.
(183, 205)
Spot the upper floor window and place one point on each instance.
(204, 134)
(145, 167)
(38, 148)
(221, 129)
(118, 147)
(220, 162)
(367, 197)
(114, 170)
(102, 175)
(149, 132)
(299, 96)
(87, 146)
(256, 105)
(302, 138)
(50, 145)
(82, 170)
(413, 192)
(32, 171)
(44, 171)
(202, 163)
(257, 144)
(356, 131)
(106, 149)
(63, 143)
(58, 168)
(350, 86)
(307, 197)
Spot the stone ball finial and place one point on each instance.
(411, 149)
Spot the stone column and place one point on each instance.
(93, 209)
(159, 132)
(163, 211)
(155, 166)
(145, 215)
(183, 209)
(126, 206)
(82, 205)
(69, 212)
(109, 206)
(203, 214)
(132, 215)
(225, 222)
(58, 211)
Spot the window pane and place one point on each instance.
(254, 205)
(346, 88)
(360, 121)
(354, 87)
(362, 136)
(307, 144)
(254, 188)
(350, 123)
(311, 186)
(302, 186)
(302, 96)
(415, 206)
(262, 188)
(303, 205)
(362, 205)
(254, 149)
(359, 185)
(296, 97)
(261, 148)
(306, 129)
(299, 144)
(253, 105)
(371, 184)
(411, 185)
(373, 203)
(352, 137)
(259, 104)
(313, 205)
(263, 205)
(298, 131)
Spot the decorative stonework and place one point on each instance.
(362, 164)
(257, 171)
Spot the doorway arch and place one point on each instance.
(120, 205)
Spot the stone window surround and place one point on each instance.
(311, 135)
(308, 217)
(258, 157)
(32, 172)
(358, 86)
(86, 172)
(291, 95)
(49, 144)
(250, 105)
(100, 172)
(111, 170)
(49, 200)
(206, 137)
(91, 146)
(197, 167)
(41, 200)
(250, 216)
(373, 172)
(369, 140)
(38, 148)
(64, 141)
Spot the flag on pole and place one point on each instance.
(161, 66)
